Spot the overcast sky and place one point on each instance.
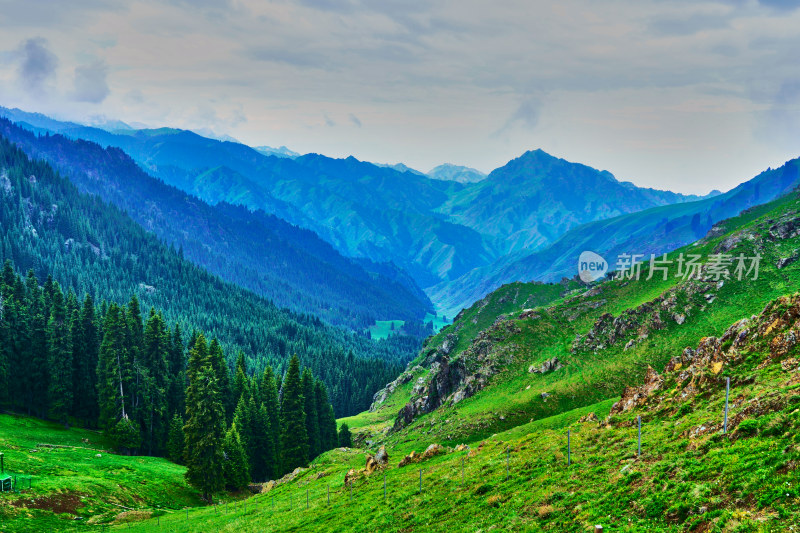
(683, 95)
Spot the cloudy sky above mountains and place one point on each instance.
(686, 95)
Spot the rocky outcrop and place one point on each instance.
(382, 457)
(551, 365)
(452, 380)
(380, 397)
(633, 397)
(634, 325)
(774, 334)
(432, 451)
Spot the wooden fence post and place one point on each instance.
(569, 449)
(639, 422)
(727, 393)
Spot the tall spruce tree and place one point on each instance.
(86, 345)
(113, 369)
(220, 366)
(269, 396)
(312, 418)
(38, 376)
(156, 382)
(235, 468)
(59, 359)
(177, 374)
(327, 420)
(205, 426)
(294, 440)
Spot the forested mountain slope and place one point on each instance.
(91, 247)
(291, 266)
(652, 231)
(435, 230)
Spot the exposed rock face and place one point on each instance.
(783, 262)
(591, 417)
(550, 365)
(637, 396)
(633, 325)
(787, 227)
(453, 380)
(380, 397)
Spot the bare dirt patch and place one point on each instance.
(67, 502)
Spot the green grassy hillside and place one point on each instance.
(76, 482)
(604, 337)
(690, 475)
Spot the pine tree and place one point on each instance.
(156, 382)
(60, 359)
(175, 440)
(176, 399)
(37, 353)
(135, 385)
(86, 345)
(240, 384)
(345, 438)
(312, 418)
(327, 420)
(217, 358)
(269, 395)
(205, 427)
(235, 469)
(112, 369)
(265, 437)
(294, 440)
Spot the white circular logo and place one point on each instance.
(591, 266)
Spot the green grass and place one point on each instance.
(437, 321)
(382, 329)
(744, 482)
(89, 490)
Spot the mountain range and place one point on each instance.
(258, 251)
(437, 230)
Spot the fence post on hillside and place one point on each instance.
(639, 422)
(329, 495)
(306, 498)
(569, 449)
(727, 393)
(598, 529)
(508, 456)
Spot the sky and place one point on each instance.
(683, 95)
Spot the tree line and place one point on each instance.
(107, 366)
(94, 248)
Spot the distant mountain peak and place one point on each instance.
(281, 151)
(459, 173)
(400, 167)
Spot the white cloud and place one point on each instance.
(687, 95)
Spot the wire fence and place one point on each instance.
(466, 472)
